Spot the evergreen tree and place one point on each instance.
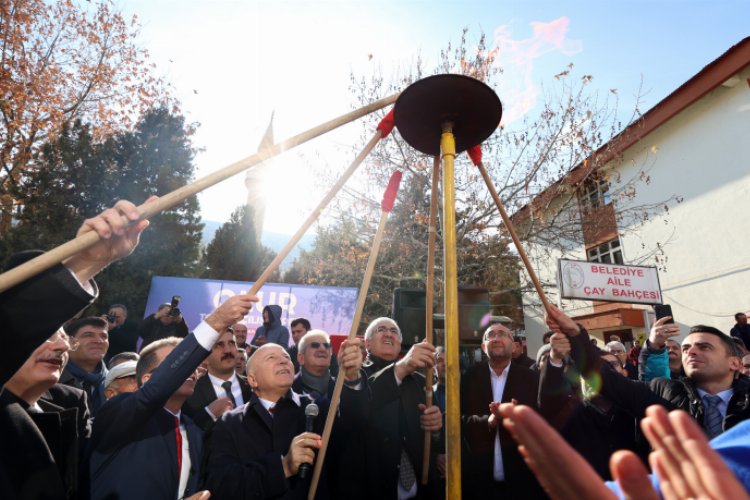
(235, 253)
(77, 177)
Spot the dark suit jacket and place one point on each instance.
(243, 455)
(394, 424)
(477, 458)
(27, 466)
(195, 406)
(134, 453)
(42, 452)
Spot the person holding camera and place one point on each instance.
(123, 332)
(167, 321)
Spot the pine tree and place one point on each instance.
(235, 253)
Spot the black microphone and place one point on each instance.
(311, 411)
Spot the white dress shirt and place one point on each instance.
(498, 387)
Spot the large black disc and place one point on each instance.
(473, 108)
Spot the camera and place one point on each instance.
(174, 311)
(111, 317)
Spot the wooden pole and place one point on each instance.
(514, 236)
(450, 284)
(339, 385)
(429, 299)
(276, 262)
(72, 247)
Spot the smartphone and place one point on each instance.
(663, 310)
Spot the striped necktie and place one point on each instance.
(712, 418)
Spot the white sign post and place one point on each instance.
(608, 282)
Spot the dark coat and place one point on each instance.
(134, 454)
(596, 428)
(272, 330)
(152, 329)
(42, 452)
(243, 456)
(122, 339)
(393, 424)
(195, 406)
(634, 397)
(477, 457)
(27, 465)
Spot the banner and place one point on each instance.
(608, 282)
(328, 308)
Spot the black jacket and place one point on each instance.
(152, 329)
(122, 339)
(42, 453)
(477, 457)
(634, 397)
(243, 455)
(195, 406)
(27, 465)
(595, 427)
(393, 424)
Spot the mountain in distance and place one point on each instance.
(274, 241)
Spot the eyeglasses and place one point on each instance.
(71, 342)
(496, 334)
(316, 345)
(384, 329)
(616, 351)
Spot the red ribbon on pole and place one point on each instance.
(386, 124)
(389, 197)
(475, 153)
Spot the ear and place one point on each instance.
(735, 363)
(484, 347)
(145, 378)
(300, 359)
(251, 380)
(108, 393)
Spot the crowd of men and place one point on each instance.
(102, 408)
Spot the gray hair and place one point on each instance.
(615, 344)
(302, 346)
(376, 323)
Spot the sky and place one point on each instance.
(234, 63)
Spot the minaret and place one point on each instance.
(255, 183)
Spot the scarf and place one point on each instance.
(317, 386)
(94, 380)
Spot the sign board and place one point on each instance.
(608, 282)
(328, 308)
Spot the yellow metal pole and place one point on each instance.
(450, 283)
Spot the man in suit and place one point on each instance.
(29, 465)
(299, 326)
(491, 464)
(144, 432)
(314, 377)
(221, 389)
(398, 417)
(256, 450)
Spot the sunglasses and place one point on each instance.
(316, 345)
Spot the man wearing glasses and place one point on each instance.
(314, 356)
(39, 460)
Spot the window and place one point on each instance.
(606, 253)
(595, 194)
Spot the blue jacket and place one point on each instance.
(653, 363)
(134, 453)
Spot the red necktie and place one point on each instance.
(178, 436)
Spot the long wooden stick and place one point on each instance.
(429, 298)
(338, 387)
(72, 247)
(450, 286)
(514, 236)
(276, 262)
